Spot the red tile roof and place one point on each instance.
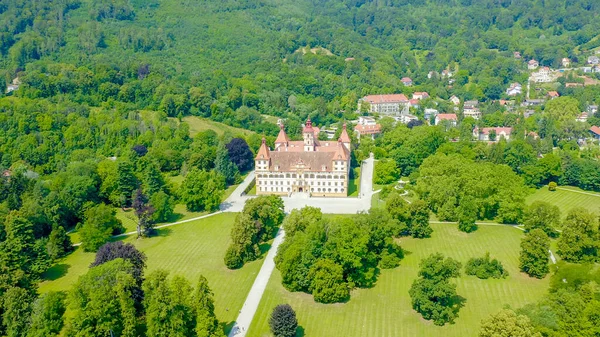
(553, 94)
(486, 131)
(282, 136)
(378, 99)
(368, 129)
(263, 152)
(595, 130)
(449, 117)
(344, 136)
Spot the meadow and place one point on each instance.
(198, 124)
(567, 197)
(189, 249)
(385, 309)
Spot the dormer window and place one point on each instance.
(323, 168)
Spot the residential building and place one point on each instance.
(414, 103)
(566, 62)
(407, 81)
(471, 109)
(533, 102)
(446, 73)
(582, 117)
(367, 130)
(592, 109)
(544, 75)
(492, 134)
(533, 64)
(573, 85)
(553, 94)
(405, 119)
(394, 104)
(430, 113)
(455, 100)
(517, 55)
(451, 118)
(595, 131)
(366, 120)
(320, 168)
(593, 60)
(420, 95)
(514, 89)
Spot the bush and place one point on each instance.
(328, 285)
(233, 260)
(552, 186)
(485, 268)
(283, 321)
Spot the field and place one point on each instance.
(189, 250)
(198, 124)
(567, 197)
(385, 310)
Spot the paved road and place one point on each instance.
(235, 203)
(242, 323)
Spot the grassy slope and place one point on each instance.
(385, 310)
(567, 197)
(198, 124)
(189, 250)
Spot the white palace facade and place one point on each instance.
(319, 168)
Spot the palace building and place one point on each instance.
(319, 168)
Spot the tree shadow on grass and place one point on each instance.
(299, 331)
(55, 272)
(457, 303)
(174, 217)
(162, 232)
(227, 327)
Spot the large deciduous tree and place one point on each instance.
(202, 190)
(47, 315)
(432, 295)
(535, 247)
(542, 215)
(579, 240)
(507, 323)
(100, 222)
(240, 154)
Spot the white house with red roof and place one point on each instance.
(553, 94)
(407, 81)
(451, 118)
(393, 104)
(533, 64)
(492, 134)
(420, 95)
(514, 89)
(320, 168)
(595, 131)
(566, 62)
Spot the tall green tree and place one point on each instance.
(16, 309)
(507, 323)
(544, 216)
(47, 317)
(126, 182)
(224, 165)
(100, 223)
(207, 324)
(283, 322)
(579, 240)
(534, 255)
(202, 190)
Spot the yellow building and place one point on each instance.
(320, 168)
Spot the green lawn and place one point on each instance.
(198, 124)
(385, 310)
(567, 197)
(189, 250)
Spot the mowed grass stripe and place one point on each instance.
(385, 310)
(566, 198)
(190, 250)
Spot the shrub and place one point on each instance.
(283, 321)
(552, 186)
(485, 268)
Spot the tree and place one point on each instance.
(163, 205)
(485, 268)
(298, 220)
(224, 165)
(467, 215)
(202, 190)
(507, 323)
(102, 301)
(126, 182)
(544, 216)
(432, 295)
(244, 242)
(59, 243)
(168, 305)
(535, 247)
(47, 315)
(579, 239)
(386, 172)
(145, 214)
(240, 154)
(328, 285)
(419, 220)
(153, 179)
(16, 308)
(100, 223)
(283, 322)
(126, 251)
(207, 324)
(268, 212)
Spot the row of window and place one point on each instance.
(314, 189)
(306, 175)
(262, 182)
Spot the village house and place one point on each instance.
(405, 119)
(446, 73)
(492, 134)
(566, 62)
(582, 117)
(587, 70)
(573, 85)
(517, 55)
(407, 81)
(533, 102)
(514, 89)
(13, 86)
(593, 59)
(553, 94)
(367, 126)
(432, 74)
(471, 109)
(455, 100)
(595, 131)
(320, 168)
(420, 95)
(428, 113)
(544, 75)
(592, 109)
(394, 104)
(533, 64)
(451, 118)
(414, 103)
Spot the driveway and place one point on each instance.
(235, 202)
